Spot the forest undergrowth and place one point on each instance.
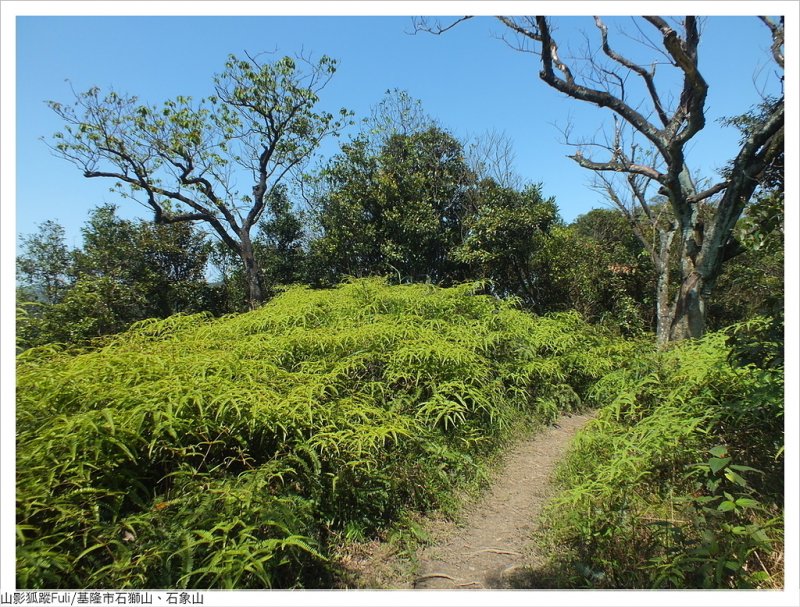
(239, 452)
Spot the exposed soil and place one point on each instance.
(490, 546)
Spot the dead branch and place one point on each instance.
(777, 38)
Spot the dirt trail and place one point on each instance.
(491, 547)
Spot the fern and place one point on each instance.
(630, 514)
(200, 452)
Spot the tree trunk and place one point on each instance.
(661, 263)
(255, 292)
(701, 262)
(665, 134)
(663, 308)
(689, 310)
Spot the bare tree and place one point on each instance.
(183, 160)
(491, 155)
(647, 149)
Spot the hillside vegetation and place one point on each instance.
(187, 420)
(678, 483)
(232, 452)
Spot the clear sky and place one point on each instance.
(468, 79)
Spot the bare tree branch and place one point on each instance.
(568, 86)
(777, 38)
(645, 75)
(703, 243)
(421, 25)
(491, 156)
(527, 33)
(618, 167)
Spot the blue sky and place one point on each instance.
(468, 79)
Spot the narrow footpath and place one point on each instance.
(491, 547)
(491, 544)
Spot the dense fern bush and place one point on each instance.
(200, 452)
(679, 481)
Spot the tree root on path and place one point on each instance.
(446, 577)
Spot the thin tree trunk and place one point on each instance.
(255, 292)
(661, 262)
(663, 309)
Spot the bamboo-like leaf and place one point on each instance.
(224, 446)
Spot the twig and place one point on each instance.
(658, 519)
(433, 575)
(496, 551)
(760, 562)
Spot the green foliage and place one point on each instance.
(279, 247)
(125, 271)
(279, 240)
(772, 177)
(600, 273)
(505, 241)
(230, 452)
(93, 307)
(44, 265)
(184, 158)
(733, 524)
(644, 506)
(751, 283)
(397, 113)
(398, 210)
(164, 262)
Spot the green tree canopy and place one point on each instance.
(184, 159)
(126, 270)
(400, 211)
(43, 267)
(505, 241)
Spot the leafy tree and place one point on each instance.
(505, 241)
(93, 307)
(611, 227)
(398, 212)
(43, 268)
(752, 283)
(165, 263)
(280, 238)
(647, 151)
(184, 159)
(594, 265)
(348, 216)
(228, 280)
(593, 273)
(125, 271)
(398, 113)
(279, 242)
